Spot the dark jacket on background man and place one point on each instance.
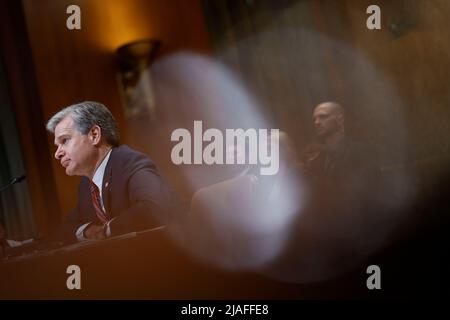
(134, 194)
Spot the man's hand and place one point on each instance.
(94, 232)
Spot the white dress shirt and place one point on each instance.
(98, 181)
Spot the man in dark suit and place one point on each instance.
(340, 222)
(121, 190)
(336, 161)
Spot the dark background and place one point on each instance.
(291, 55)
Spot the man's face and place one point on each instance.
(75, 151)
(327, 120)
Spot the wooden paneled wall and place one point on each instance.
(70, 66)
(294, 54)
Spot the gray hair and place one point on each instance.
(85, 115)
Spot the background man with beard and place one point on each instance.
(333, 155)
(338, 225)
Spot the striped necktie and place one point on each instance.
(95, 195)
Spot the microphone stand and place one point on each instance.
(14, 181)
(3, 242)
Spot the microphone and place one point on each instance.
(18, 179)
(14, 181)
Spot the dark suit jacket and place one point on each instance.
(133, 192)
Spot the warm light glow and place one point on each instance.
(118, 23)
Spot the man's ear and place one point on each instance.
(95, 135)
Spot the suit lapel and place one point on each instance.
(106, 187)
